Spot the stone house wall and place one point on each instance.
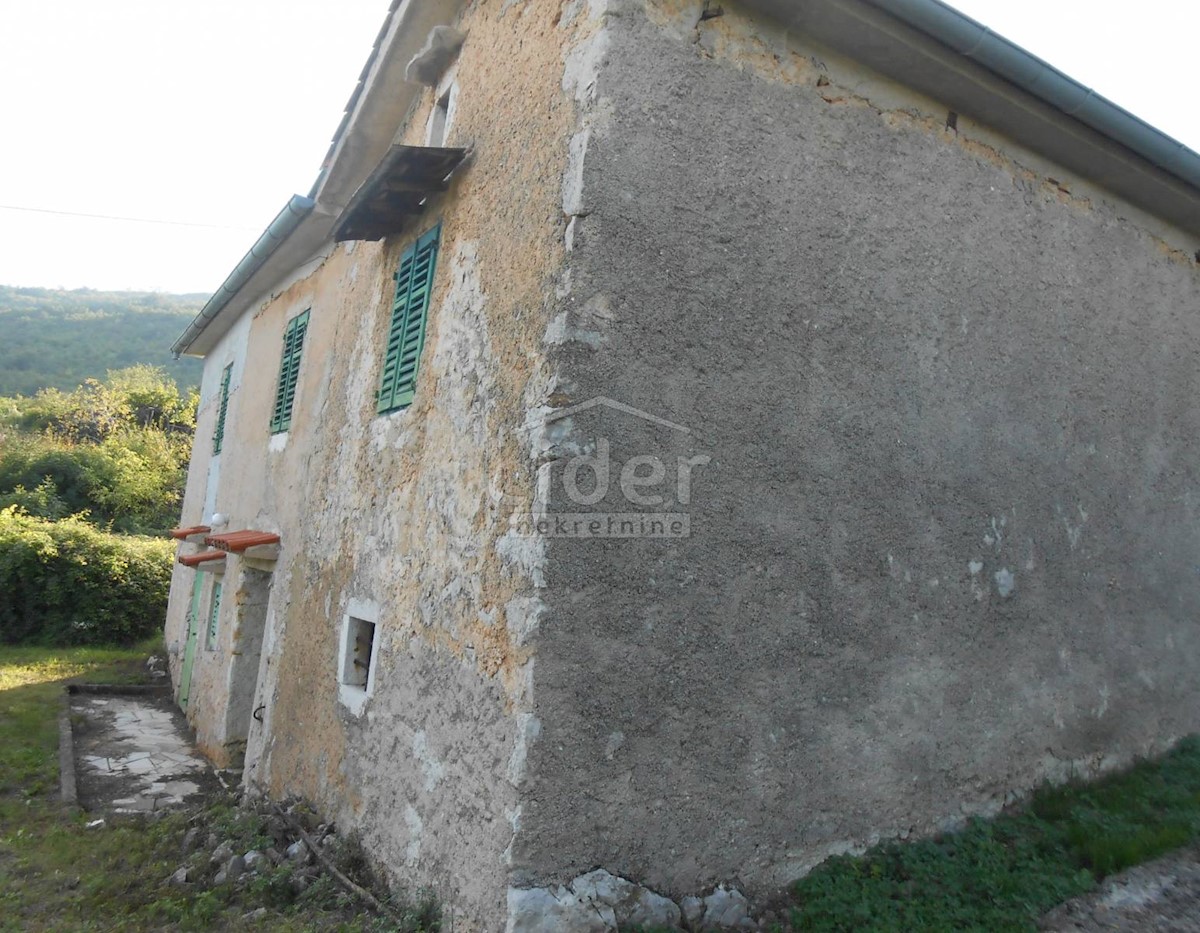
(921, 398)
(942, 548)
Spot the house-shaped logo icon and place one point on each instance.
(600, 401)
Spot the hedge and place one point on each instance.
(68, 583)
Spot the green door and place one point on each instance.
(193, 636)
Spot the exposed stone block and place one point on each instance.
(428, 65)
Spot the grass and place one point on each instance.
(31, 683)
(56, 874)
(1002, 874)
(995, 875)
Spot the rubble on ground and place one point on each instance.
(260, 843)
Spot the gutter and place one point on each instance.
(284, 224)
(933, 49)
(379, 105)
(975, 41)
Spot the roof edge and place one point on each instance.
(973, 40)
(379, 104)
(284, 224)
(946, 55)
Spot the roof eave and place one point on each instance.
(936, 50)
(255, 265)
(376, 110)
(372, 118)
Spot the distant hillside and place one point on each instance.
(53, 338)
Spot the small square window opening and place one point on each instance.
(358, 655)
(357, 658)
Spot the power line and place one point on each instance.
(135, 220)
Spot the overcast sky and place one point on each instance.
(212, 114)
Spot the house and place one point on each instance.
(688, 441)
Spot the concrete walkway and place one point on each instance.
(133, 754)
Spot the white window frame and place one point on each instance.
(351, 696)
(447, 90)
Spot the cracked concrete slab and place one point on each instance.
(134, 754)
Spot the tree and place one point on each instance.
(114, 451)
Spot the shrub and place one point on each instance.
(116, 449)
(72, 473)
(138, 397)
(131, 481)
(68, 583)
(42, 501)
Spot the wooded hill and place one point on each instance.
(50, 338)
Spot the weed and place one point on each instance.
(57, 874)
(1002, 874)
(273, 888)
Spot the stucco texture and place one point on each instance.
(408, 511)
(946, 544)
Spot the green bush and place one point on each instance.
(68, 583)
(71, 473)
(116, 450)
(43, 500)
(138, 397)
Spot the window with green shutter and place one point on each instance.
(222, 408)
(406, 335)
(214, 614)
(289, 372)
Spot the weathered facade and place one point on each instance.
(801, 452)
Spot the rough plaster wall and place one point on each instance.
(254, 487)
(206, 711)
(175, 628)
(945, 546)
(405, 511)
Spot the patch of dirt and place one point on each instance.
(1162, 896)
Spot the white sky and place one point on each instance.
(216, 112)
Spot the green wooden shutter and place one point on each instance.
(289, 373)
(406, 335)
(223, 407)
(391, 360)
(214, 614)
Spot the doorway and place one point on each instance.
(193, 637)
(253, 594)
